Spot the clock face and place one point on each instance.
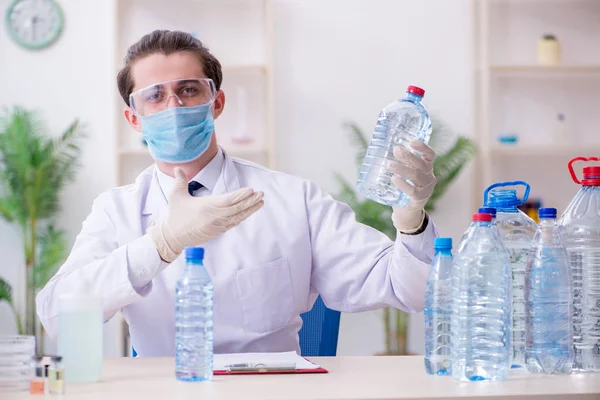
(34, 24)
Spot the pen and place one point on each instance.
(261, 367)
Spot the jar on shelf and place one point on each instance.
(548, 51)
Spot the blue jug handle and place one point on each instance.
(503, 184)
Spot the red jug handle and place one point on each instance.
(585, 159)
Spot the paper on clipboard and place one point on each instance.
(221, 361)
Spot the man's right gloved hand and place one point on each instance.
(192, 221)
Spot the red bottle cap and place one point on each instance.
(416, 90)
(482, 217)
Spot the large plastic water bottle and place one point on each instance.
(438, 310)
(548, 306)
(481, 293)
(398, 123)
(516, 230)
(481, 210)
(194, 320)
(581, 229)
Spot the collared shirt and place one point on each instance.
(208, 177)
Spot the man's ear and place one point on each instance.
(134, 120)
(219, 104)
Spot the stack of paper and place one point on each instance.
(220, 361)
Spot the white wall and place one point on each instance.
(73, 79)
(335, 60)
(343, 60)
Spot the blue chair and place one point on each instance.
(319, 332)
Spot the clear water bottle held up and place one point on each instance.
(516, 230)
(194, 320)
(481, 293)
(398, 123)
(548, 301)
(438, 310)
(580, 224)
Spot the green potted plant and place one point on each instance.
(34, 168)
(453, 153)
(6, 295)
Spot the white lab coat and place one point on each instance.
(266, 271)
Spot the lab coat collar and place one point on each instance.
(226, 182)
(207, 176)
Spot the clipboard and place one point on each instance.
(265, 363)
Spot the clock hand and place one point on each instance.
(34, 21)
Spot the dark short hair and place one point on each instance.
(167, 42)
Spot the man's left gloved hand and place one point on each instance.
(419, 170)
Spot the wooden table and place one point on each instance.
(349, 378)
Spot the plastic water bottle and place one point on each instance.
(438, 310)
(581, 229)
(489, 210)
(481, 293)
(481, 210)
(194, 320)
(516, 230)
(80, 331)
(549, 306)
(398, 123)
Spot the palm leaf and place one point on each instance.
(8, 208)
(357, 137)
(53, 250)
(447, 166)
(6, 295)
(5, 292)
(36, 167)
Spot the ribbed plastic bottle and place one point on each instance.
(398, 123)
(438, 310)
(194, 320)
(516, 230)
(548, 301)
(481, 313)
(580, 225)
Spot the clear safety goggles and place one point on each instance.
(188, 92)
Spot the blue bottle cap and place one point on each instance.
(487, 210)
(547, 212)
(442, 243)
(194, 253)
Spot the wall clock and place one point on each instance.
(34, 24)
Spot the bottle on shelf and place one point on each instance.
(548, 51)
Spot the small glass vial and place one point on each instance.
(56, 376)
(38, 383)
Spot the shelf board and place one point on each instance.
(551, 151)
(543, 70)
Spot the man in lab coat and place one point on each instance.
(273, 241)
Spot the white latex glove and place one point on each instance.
(419, 170)
(192, 221)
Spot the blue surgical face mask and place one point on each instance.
(178, 134)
